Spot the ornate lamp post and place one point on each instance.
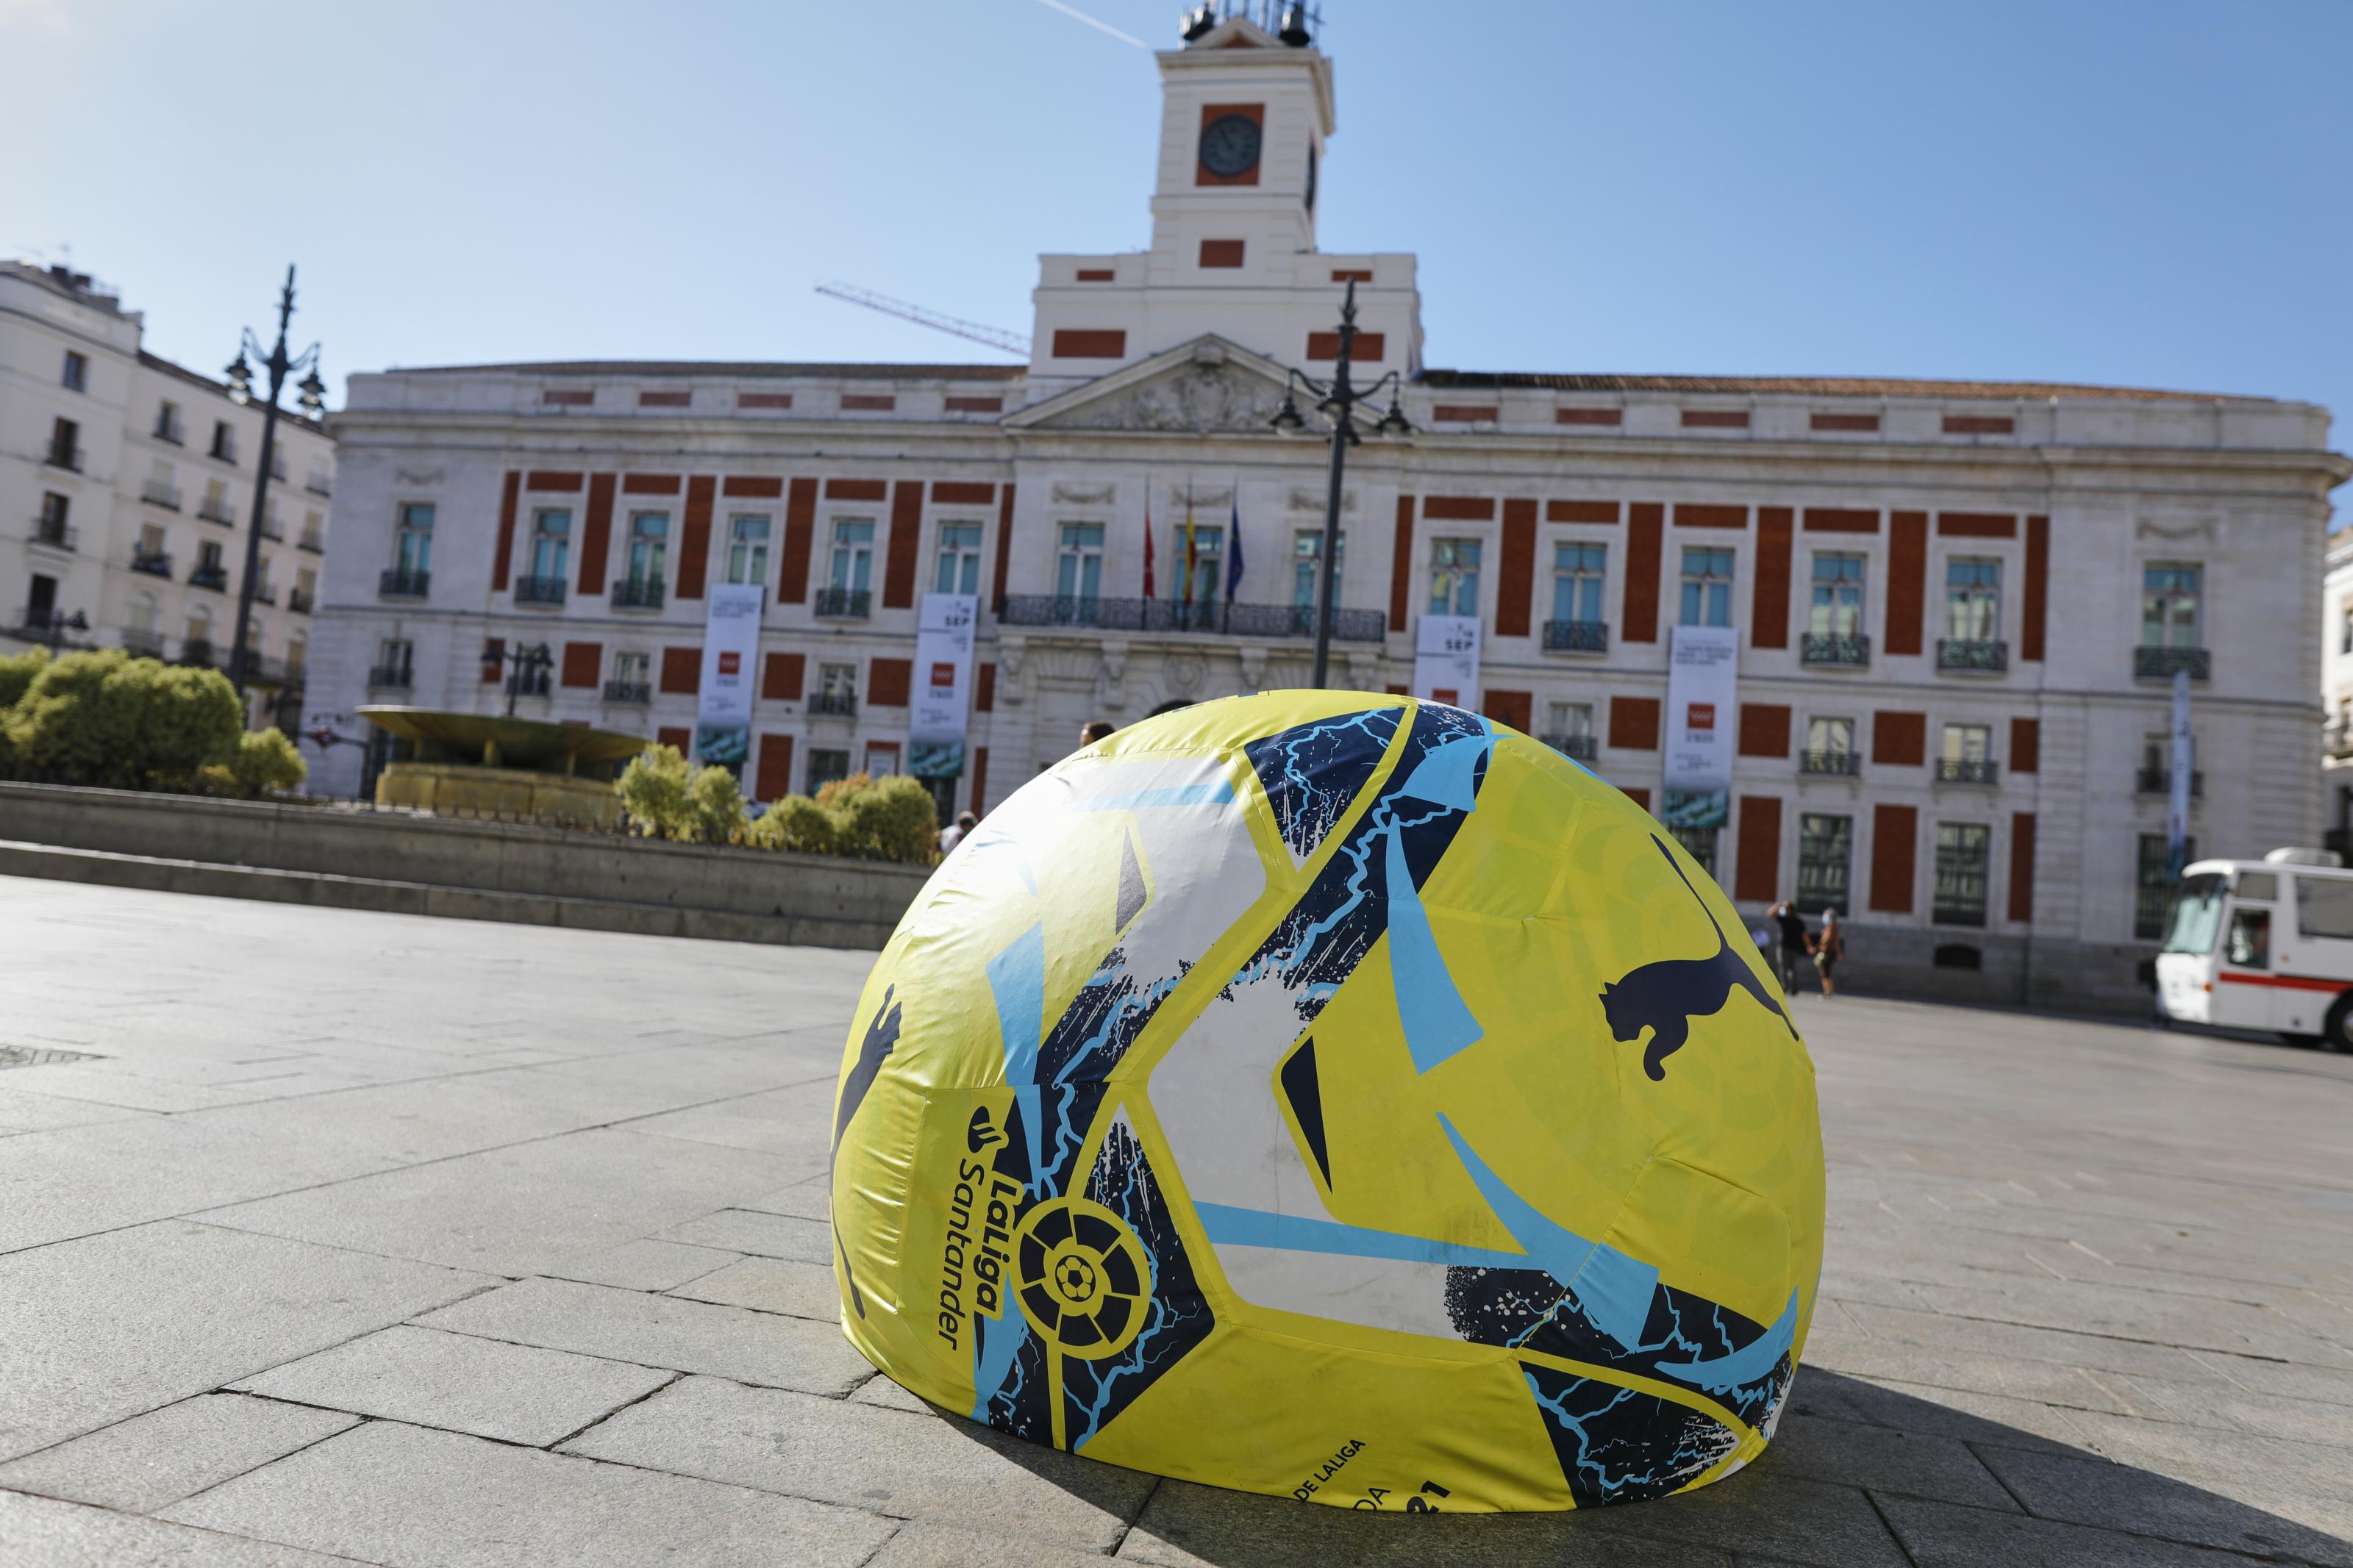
(1337, 399)
(240, 390)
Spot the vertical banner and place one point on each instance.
(1446, 659)
(943, 687)
(1702, 708)
(731, 642)
(2185, 760)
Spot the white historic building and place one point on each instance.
(126, 491)
(1959, 604)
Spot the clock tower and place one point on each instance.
(1245, 116)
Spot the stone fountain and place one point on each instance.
(483, 765)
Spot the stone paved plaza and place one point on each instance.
(379, 1238)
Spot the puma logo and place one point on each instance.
(1666, 996)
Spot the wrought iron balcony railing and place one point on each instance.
(539, 590)
(1972, 653)
(217, 512)
(1844, 765)
(1957, 914)
(2159, 781)
(165, 496)
(629, 692)
(1968, 770)
(213, 577)
(390, 677)
(1847, 649)
(845, 604)
(841, 704)
(154, 563)
(2336, 737)
(143, 643)
(1584, 748)
(401, 583)
(63, 456)
(1577, 636)
(55, 532)
(637, 594)
(1214, 619)
(311, 542)
(2159, 663)
(196, 651)
(298, 601)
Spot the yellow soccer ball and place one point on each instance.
(1339, 1097)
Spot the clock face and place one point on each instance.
(1229, 146)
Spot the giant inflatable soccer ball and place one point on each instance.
(1340, 1097)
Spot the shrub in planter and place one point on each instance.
(796, 822)
(104, 718)
(266, 764)
(890, 819)
(17, 673)
(667, 796)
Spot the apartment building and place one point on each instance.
(126, 492)
(1957, 607)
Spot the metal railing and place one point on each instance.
(1956, 914)
(224, 450)
(143, 643)
(299, 602)
(63, 457)
(169, 430)
(213, 577)
(844, 603)
(539, 591)
(277, 466)
(1584, 748)
(165, 496)
(1215, 619)
(273, 529)
(637, 594)
(55, 532)
(629, 692)
(1968, 770)
(318, 484)
(1972, 653)
(400, 582)
(2159, 663)
(217, 512)
(265, 594)
(2159, 781)
(841, 704)
(197, 651)
(1842, 765)
(390, 677)
(1577, 636)
(2336, 737)
(1850, 649)
(154, 563)
(311, 542)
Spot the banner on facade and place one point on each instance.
(2185, 763)
(1446, 660)
(1703, 712)
(731, 644)
(942, 697)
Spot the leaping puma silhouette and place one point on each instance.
(1665, 997)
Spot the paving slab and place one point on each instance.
(761, 1348)
(1942, 1535)
(395, 1494)
(907, 1465)
(770, 1285)
(46, 1532)
(761, 1234)
(113, 1325)
(517, 1394)
(1885, 1458)
(648, 1265)
(142, 1464)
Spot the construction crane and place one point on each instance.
(1009, 342)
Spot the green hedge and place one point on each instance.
(865, 818)
(104, 718)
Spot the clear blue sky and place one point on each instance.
(2146, 193)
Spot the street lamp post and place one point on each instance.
(240, 390)
(1337, 399)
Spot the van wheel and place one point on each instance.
(2337, 1034)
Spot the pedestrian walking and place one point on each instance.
(1096, 729)
(955, 831)
(1790, 951)
(1828, 948)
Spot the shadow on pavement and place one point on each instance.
(1859, 1474)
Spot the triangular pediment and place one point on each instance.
(1207, 387)
(1235, 33)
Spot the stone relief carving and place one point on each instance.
(1305, 499)
(1084, 494)
(1200, 399)
(2175, 528)
(1201, 500)
(420, 475)
(1184, 671)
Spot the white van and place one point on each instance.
(2262, 944)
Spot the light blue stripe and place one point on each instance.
(1750, 1364)
(1438, 1023)
(1300, 1233)
(994, 1347)
(1174, 794)
(1614, 1290)
(1018, 978)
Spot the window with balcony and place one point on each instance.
(214, 506)
(958, 568)
(305, 597)
(394, 661)
(1825, 851)
(196, 638)
(1570, 730)
(835, 694)
(2171, 622)
(223, 444)
(64, 446)
(168, 423)
(1307, 549)
(160, 488)
(1959, 898)
(140, 623)
(2155, 776)
(1578, 577)
(1829, 748)
(212, 571)
(75, 377)
(314, 533)
(51, 527)
(747, 548)
(1834, 632)
(1699, 843)
(2345, 629)
(647, 561)
(1967, 755)
(2154, 876)
(550, 558)
(298, 656)
(1972, 638)
(1077, 573)
(849, 583)
(148, 554)
(1706, 588)
(633, 679)
(1455, 576)
(826, 766)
